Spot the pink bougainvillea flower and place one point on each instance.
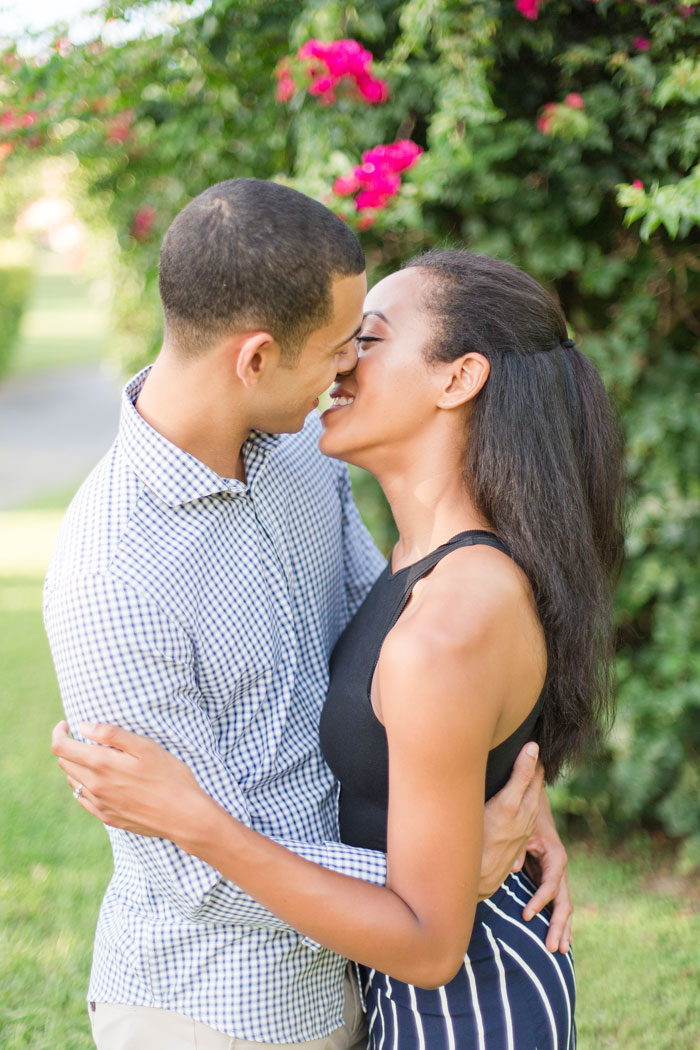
(328, 64)
(367, 219)
(685, 10)
(372, 89)
(378, 180)
(324, 88)
(575, 101)
(286, 85)
(544, 121)
(638, 184)
(371, 199)
(641, 43)
(529, 8)
(142, 222)
(397, 156)
(285, 89)
(345, 185)
(118, 127)
(346, 58)
(30, 118)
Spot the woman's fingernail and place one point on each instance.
(532, 750)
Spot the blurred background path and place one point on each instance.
(59, 409)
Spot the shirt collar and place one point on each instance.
(174, 475)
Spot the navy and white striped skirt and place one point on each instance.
(511, 993)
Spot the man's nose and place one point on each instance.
(347, 360)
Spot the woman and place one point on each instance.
(496, 447)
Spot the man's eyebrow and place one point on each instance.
(377, 313)
(343, 343)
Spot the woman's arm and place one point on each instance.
(439, 726)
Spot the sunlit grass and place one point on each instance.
(636, 934)
(65, 322)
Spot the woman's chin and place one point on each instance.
(331, 445)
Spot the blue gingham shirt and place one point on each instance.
(201, 611)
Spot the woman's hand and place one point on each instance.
(130, 782)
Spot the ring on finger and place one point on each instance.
(78, 792)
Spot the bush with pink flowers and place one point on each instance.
(324, 68)
(563, 135)
(377, 180)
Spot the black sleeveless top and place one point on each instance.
(353, 740)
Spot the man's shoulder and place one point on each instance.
(97, 515)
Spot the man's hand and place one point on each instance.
(546, 865)
(519, 830)
(510, 820)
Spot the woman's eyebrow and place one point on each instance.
(377, 313)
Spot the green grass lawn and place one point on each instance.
(65, 322)
(636, 936)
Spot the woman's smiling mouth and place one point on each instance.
(340, 398)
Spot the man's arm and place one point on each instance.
(518, 824)
(120, 659)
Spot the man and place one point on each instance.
(203, 574)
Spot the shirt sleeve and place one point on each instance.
(120, 659)
(362, 559)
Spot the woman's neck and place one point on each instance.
(430, 505)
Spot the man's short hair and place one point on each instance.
(248, 254)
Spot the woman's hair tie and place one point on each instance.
(568, 344)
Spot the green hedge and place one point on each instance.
(567, 143)
(15, 284)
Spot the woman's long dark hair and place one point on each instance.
(543, 465)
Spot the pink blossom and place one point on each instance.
(30, 118)
(118, 127)
(323, 87)
(64, 46)
(345, 185)
(347, 58)
(286, 85)
(638, 184)
(8, 120)
(529, 8)
(372, 89)
(641, 43)
(367, 219)
(575, 101)
(544, 121)
(370, 199)
(142, 222)
(381, 180)
(397, 156)
(6, 149)
(329, 64)
(685, 10)
(285, 88)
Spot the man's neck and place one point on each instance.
(187, 407)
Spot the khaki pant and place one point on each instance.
(117, 1027)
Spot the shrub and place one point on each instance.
(15, 284)
(563, 136)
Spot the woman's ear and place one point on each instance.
(256, 351)
(464, 379)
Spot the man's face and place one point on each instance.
(292, 392)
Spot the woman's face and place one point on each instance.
(387, 400)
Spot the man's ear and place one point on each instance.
(256, 351)
(464, 379)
